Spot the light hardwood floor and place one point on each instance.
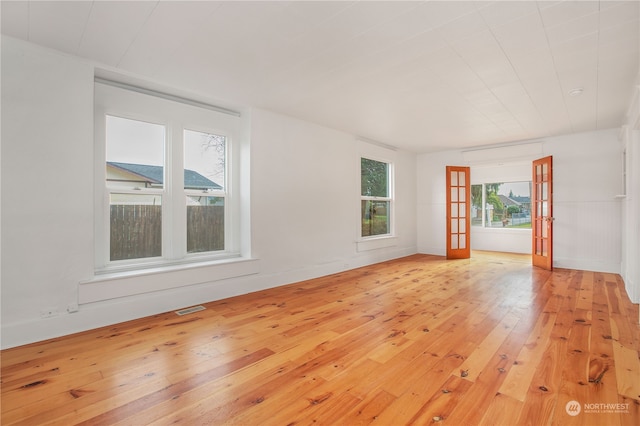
(418, 340)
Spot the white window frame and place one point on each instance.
(388, 198)
(176, 116)
(388, 156)
(483, 225)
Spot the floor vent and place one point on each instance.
(191, 310)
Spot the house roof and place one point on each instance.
(155, 175)
(521, 200)
(508, 201)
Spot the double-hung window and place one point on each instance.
(163, 179)
(376, 198)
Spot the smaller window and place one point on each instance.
(375, 201)
(501, 205)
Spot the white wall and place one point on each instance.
(508, 240)
(304, 189)
(432, 209)
(303, 198)
(587, 178)
(631, 202)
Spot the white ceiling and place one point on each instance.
(423, 76)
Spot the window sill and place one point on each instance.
(375, 243)
(499, 229)
(112, 285)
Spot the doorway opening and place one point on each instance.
(502, 208)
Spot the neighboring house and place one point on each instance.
(131, 176)
(506, 202)
(525, 202)
(146, 176)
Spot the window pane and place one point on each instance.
(454, 194)
(374, 178)
(454, 209)
(204, 161)
(461, 178)
(463, 241)
(463, 210)
(476, 205)
(508, 204)
(454, 226)
(205, 224)
(135, 226)
(454, 241)
(454, 178)
(135, 153)
(375, 217)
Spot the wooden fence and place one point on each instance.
(136, 230)
(205, 228)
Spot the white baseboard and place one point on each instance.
(113, 311)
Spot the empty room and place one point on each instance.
(320, 212)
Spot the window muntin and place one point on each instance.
(376, 200)
(501, 205)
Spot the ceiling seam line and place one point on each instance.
(518, 76)
(555, 69)
(84, 30)
(137, 35)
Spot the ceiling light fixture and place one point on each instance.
(576, 92)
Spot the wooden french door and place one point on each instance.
(542, 213)
(458, 212)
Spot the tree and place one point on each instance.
(494, 200)
(476, 196)
(373, 176)
(493, 187)
(513, 209)
(492, 197)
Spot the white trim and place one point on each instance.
(384, 154)
(495, 154)
(373, 142)
(376, 242)
(118, 100)
(122, 284)
(167, 96)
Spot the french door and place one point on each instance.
(458, 212)
(542, 213)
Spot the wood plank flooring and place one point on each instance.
(418, 340)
